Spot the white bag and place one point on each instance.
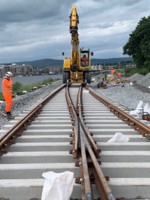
(57, 186)
(139, 107)
(131, 83)
(146, 109)
(119, 137)
(134, 113)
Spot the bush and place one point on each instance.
(131, 71)
(45, 82)
(17, 88)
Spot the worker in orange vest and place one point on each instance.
(7, 85)
(112, 71)
(119, 75)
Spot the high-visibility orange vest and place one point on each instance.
(7, 86)
(119, 74)
(7, 93)
(112, 71)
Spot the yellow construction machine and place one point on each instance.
(76, 69)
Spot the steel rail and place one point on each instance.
(84, 170)
(100, 180)
(85, 180)
(134, 123)
(86, 130)
(16, 130)
(75, 123)
(80, 151)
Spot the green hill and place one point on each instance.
(58, 63)
(44, 63)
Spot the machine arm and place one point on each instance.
(74, 21)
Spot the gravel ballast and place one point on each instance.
(130, 93)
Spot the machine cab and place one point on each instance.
(84, 58)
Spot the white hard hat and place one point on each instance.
(9, 74)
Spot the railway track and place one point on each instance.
(70, 132)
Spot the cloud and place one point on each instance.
(39, 29)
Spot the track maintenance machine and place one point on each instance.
(76, 69)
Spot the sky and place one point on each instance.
(37, 29)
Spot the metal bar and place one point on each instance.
(101, 182)
(75, 120)
(86, 185)
(87, 132)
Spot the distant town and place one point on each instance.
(31, 70)
(28, 70)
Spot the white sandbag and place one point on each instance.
(57, 186)
(147, 109)
(134, 113)
(138, 110)
(131, 83)
(119, 137)
(139, 107)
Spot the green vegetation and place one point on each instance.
(138, 45)
(1, 96)
(131, 71)
(18, 88)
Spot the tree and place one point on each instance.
(138, 45)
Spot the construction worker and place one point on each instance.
(7, 93)
(112, 71)
(84, 61)
(119, 74)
